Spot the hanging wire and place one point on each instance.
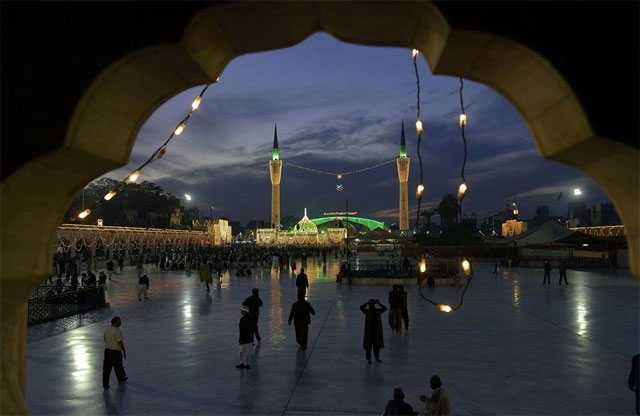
(463, 123)
(157, 154)
(415, 67)
(339, 175)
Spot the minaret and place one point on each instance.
(275, 170)
(403, 177)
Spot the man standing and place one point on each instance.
(440, 402)
(246, 338)
(301, 312)
(562, 268)
(110, 267)
(395, 310)
(373, 336)
(405, 306)
(143, 286)
(302, 283)
(113, 352)
(397, 406)
(205, 273)
(254, 303)
(495, 267)
(634, 380)
(547, 272)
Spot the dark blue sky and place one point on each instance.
(339, 107)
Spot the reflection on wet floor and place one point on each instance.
(548, 349)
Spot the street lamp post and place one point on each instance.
(211, 211)
(187, 198)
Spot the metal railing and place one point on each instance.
(52, 302)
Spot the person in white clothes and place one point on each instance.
(113, 352)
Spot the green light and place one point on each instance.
(371, 224)
(403, 151)
(274, 154)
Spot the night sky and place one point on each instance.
(338, 108)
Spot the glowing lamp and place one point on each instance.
(466, 266)
(577, 192)
(423, 265)
(463, 120)
(196, 103)
(110, 195)
(462, 189)
(419, 126)
(419, 191)
(134, 176)
(84, 214)
(414, 54)
(339, 176)
(515, 212)
(217, 79)
(445, 308)
(179, 129)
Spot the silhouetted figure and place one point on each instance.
(373, 335)
(246, 326)
(113, 352)
(143, 286)
(440, 402)
(547, 272)
(395, 309)
(495, 268)
(634, 380)
(300, 314)
(302, 283)
(254, 303)
(397, 406)
(562, 268)
(205, 274)
(404, 297)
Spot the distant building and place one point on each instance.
(513, 227)
(543, 215)
(255, 224)
(492, 225)
(578, 214)
(471, 220)
(604, 214)
(236, 227)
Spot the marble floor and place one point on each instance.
(515, 347)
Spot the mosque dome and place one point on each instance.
(305, 225)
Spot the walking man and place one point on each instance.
(562, 268)
(143, 286)
(205, 273)
(113, 352)
(254, 303)
(302, 283)
(246, 338)
(405, 307)
(373, 336)
(301, 312)
(395, 309)
(547, 272)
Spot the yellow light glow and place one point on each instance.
(419, 126)
(110, 195)
(423, 265)
(419, 191)
(134, 176)
(466, 266)
(84, 214)
(179, 129)
(414, 53)
(463, 119)
(515, 212)
(339, 176)
(445, 308)
(217, 79)
(196, 103)
(462, 189)
(161, 153)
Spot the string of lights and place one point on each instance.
(462, 189)
(339, 175)
(157, 154)
(466, 264)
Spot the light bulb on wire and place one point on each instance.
(419, 126)
(419, 191)
(84, 214)
(423, 265)
(466, 267)
(445, 308)
(462, 189)
(110, 195)
(414, 54)
(196, 103)
(463, 120)
(179, 129)
(134, 176)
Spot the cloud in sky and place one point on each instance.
(338, 108)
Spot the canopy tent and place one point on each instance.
(543, 234)
(378, 235)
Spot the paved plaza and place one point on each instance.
(515, 347)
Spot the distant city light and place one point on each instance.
(188, 197)
(577, 192)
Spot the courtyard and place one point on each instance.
(515, 347)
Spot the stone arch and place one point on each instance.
(105, 123)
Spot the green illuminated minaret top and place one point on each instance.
(403, 144)
(274, 152)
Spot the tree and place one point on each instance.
(448, 210)
(427, 214)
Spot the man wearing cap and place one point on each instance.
(113, 352)
(247, 328)
(397, 406)
(440, 401)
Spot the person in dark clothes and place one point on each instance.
(247, 330)
(395, 309)
(254, 303)
(495, 268)
(302, 283)
(373, 335)
(634, 380)
(143, 286)
(562, 268)
(110, 268)
(74, 282)
(113, 352)
(404, 297)
(547, 272)
(121, 263)
(397, 406)
(301, 312)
